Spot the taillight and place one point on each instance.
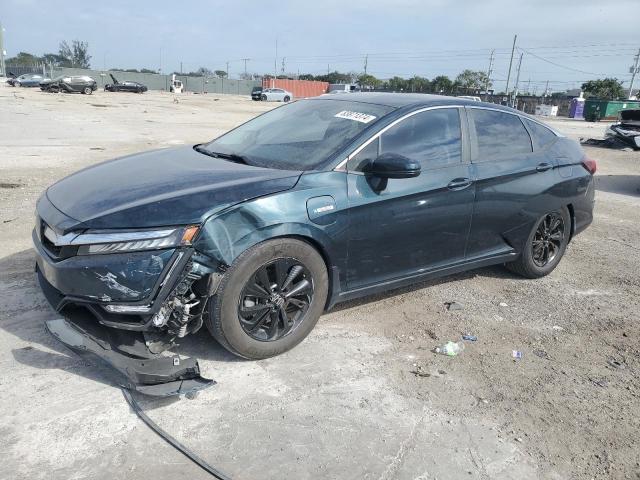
(590, 164)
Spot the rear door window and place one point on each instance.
(540, 134)
(499, 135)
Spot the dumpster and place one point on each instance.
(576, 109)
(596, 110)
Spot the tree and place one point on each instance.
(368, 82)
(204, 72)
(24, 58)
(472, 80)
(397, 84)
(442, 84)
(418, 84)
(605, 89)
(335, 77)
(306, 76)
(220, 73)
(76, 55)
(54, 59)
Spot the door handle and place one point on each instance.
(543, 167)
(459, 183)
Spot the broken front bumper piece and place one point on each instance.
(159, 376)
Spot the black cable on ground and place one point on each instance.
(172, 441)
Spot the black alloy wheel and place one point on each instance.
(275, 299)
(545, 246)
(548, 239)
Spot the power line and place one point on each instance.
(558, 64)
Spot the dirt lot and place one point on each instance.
(344, 404)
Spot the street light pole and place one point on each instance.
(2, 53)
(489, 72)
(513, 48)
(515, 89)
(634, 70)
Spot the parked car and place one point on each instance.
(276, 95)
(126, 86)
(259, 231)
(256, 93)
(626, 131)
(176, 85)
(11, 79)
(26, 80)
(70, 84)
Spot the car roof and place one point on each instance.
(401, 100)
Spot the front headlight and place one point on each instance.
(95, 242)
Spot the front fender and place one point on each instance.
(226, 235)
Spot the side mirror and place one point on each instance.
(393, 165)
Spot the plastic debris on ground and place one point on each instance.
(516, 354)
(469, 337)
(452, 306)
(450, 349)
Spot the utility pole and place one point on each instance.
(489, 72)
(245, 60)
(2, 65)
(515, 89)
(275, 66)
(366, 61)
(327, 69)
(546, 92)
(227, 68)
(513, 48)
(282, 70)
(180, 67)
(634, 70)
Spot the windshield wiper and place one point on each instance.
(227, 156)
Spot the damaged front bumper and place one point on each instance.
(126, 308)
(159, 377)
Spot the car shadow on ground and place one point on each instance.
(622, 184)
(24, 311)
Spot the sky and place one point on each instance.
(565, 42)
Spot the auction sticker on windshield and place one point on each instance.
(357, 116)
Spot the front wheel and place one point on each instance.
(545, 245)
(87, 90)
(287, 98)
(269, 299)
(264, 98)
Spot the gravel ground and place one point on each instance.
(345, 403)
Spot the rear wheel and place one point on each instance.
(545, 245)
(87, 90)
(269, 299)
(287, 98)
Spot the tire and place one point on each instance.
(534, 265)
(226, 309)
(87, 90)
(287, 98)
(264, 98)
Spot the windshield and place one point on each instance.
(298, 136)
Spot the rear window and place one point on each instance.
(540, 134)
(499, 135)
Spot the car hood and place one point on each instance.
(162, 187)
